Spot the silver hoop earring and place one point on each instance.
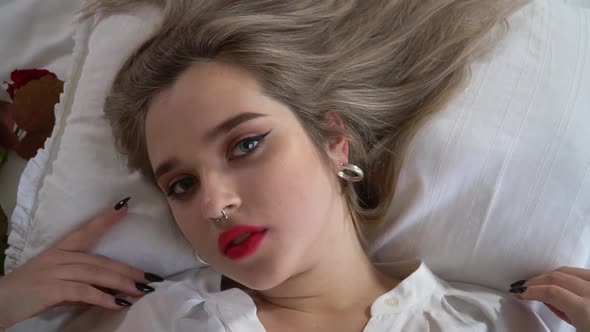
(357, 173)
(201, 260)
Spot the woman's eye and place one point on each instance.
(181, 186)
(248, 145)
(242, 148)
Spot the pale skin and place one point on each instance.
(310, 273)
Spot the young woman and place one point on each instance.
(275, 129)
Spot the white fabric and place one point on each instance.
(495, 188)
(421, 302)
(36, 34)
(33, 34)
(579, 3)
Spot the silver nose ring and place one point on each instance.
(222, 219)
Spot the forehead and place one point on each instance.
(211, 89)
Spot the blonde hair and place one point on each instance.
(381, 65)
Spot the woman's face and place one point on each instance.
(215, 141)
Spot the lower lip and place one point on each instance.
(245, 248)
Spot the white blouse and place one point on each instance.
(192, 301)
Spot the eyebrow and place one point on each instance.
(230, 124)
(220, 129)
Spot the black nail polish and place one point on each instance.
(144, 288)
(122, 302)
(518, 290)
(121, 203)
(518, 283)
(153, 277)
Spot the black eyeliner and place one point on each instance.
(264, 135)
(256, 138)
(259, 138)
(170, 192)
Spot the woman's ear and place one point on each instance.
(336, 147)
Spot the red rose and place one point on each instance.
(22, 77)
(26, 123)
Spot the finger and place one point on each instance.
(70, 257)
(82, 238)
(107, 290)
(77, 292)
(72, 304)
(583, 274)
(101, 277)
(567, 281)
(558, 297)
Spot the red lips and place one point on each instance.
(225, 238)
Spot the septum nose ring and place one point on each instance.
(222, 220)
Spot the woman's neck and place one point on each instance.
(343, 280)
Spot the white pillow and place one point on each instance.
(495, 188)
(33, 34)
(36, 34)
(81, 171)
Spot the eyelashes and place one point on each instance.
(185, 184)
(246, 146)
(252, 144)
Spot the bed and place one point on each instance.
(503, 193)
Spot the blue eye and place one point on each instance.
(181, 186)
(242, 148)
(248, 145)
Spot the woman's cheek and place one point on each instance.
(183, 221)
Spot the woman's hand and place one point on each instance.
(65, 274)
(566, 291)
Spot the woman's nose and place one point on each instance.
(218, 194)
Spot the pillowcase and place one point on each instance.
(495, 188)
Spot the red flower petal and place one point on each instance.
(20, 77)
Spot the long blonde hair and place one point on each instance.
(381, 65)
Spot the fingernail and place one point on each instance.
(518, 290)
(122, 302)
(518, 283)
(153, 277)
(121, 203)
(144, 288)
